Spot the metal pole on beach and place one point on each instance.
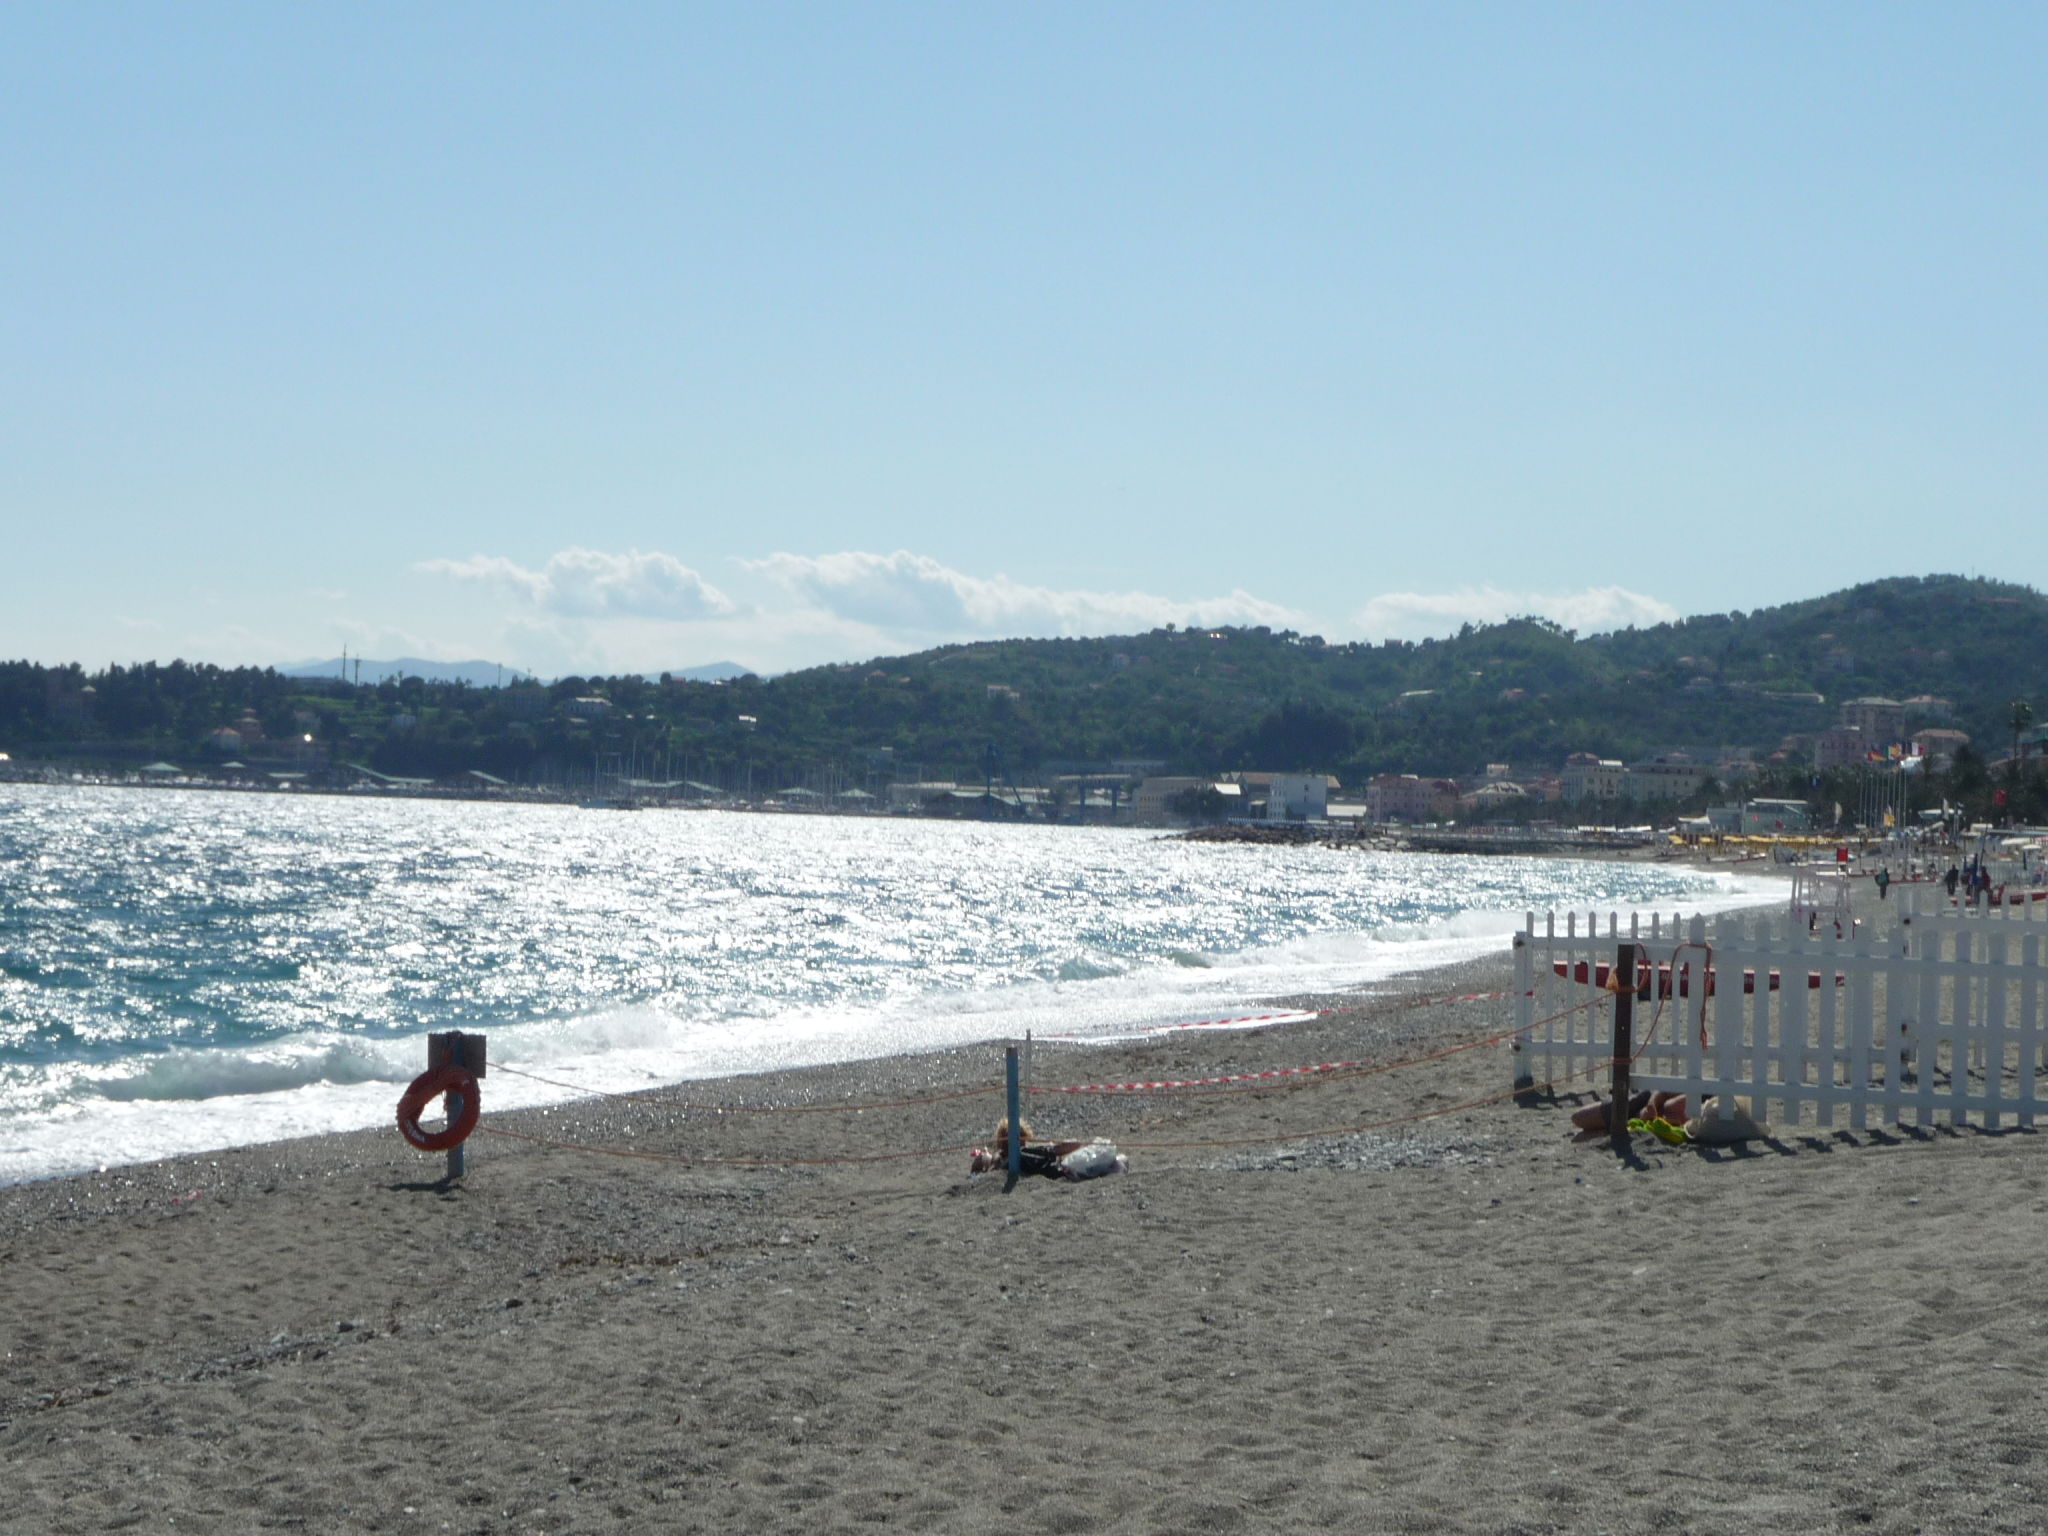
(1016, 1148)
(451, 1104)
(469, 1052)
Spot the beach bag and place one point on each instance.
(1093, 1161)
(1710, 1130)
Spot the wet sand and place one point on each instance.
(1288, 1315)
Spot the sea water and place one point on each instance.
(188, 970)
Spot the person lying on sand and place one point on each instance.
(1032, 1157)
(1050, 1159)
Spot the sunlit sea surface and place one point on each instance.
(182, 971)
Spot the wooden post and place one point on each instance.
(1623, 980)
(469, 1053)
(1518, 1050)
(1016, 1115)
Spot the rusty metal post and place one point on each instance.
(1623, 980)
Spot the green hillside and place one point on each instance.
(1524, 692)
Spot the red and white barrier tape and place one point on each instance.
(1169, 1084)
(1292, 1016)
(1202, 1082)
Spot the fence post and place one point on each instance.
(1623, 979)
(1525, 981)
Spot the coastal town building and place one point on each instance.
(1938, 745)
(1285, 796)
(1754, 818)
(1732, 767)
(1841, 748)
(914, 797)
(1259, 796)
(1926, 709)
(1297, 797)
(1762, 817)
(1492, 795)
(1671, 777)
(1409, 798)
(1666, 777)
(1587, 777)
(1150, 801)
(1881, 721)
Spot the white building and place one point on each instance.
(1664, 778)
(1297, 797)
(1587, 777)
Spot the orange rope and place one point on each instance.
(1666, 995)
(1308, 1076)
(658, 1096)
(1371, 1125)
(885, 1157)
(725, 1162)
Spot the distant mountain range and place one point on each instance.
(478, 674)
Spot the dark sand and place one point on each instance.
(1274, 1321)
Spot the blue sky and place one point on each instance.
(624, 337)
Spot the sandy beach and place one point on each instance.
(1274, 1320)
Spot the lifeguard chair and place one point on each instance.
(1819, 898)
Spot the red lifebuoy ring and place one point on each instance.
(448, 1078)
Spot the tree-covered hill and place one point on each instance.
(1525, 692)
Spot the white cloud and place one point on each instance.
(912, 594)
(589, 611)
(1419, 615)
(591, 584)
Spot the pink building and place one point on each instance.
(1408, 797)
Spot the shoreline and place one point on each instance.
(179, 1111)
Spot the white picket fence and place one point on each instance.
(1916, 1016)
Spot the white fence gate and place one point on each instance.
(1929, 1015)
